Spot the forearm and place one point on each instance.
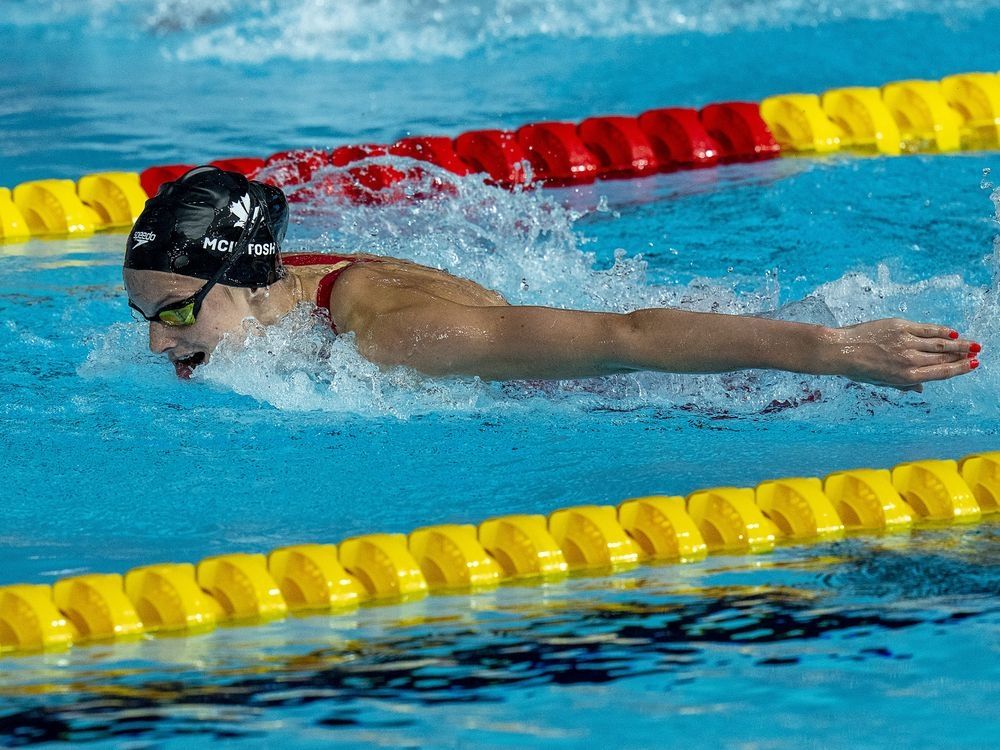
(681, 341)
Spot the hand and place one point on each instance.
(902, 354)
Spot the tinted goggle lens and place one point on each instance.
(172, 316)
(181, 316)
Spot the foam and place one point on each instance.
(402, 30)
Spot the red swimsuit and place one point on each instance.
(341, 263)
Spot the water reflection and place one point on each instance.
(640, 626)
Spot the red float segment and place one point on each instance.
(740, 131)
(344, 155)
(365, 184)
(620, 146)
(437, 150)
(556, 153)
(153, 177)
(295, 167)
(246, 166)
(495, 152)
(678, 138)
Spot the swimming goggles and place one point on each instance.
(185, 312)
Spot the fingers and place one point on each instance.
(926, 359)
(944, 371)
(931, 331)
(956, 346)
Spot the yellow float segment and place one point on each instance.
(981, 472)
(384, 565)
(864, 120)
(53, 207)
(30, 621)
(799, 123)
(976, 98)
(116, 197)
(936, 491)
(451, 556)
(925, 120)
(13, 227)
(730, 521)
(661, 526)
(167, 597)
(799, 508)
(97, 605)
(310, 576)
(241, 584)
(865, 499)
(522, 545)
(590, 536)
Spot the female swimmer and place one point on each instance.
(204, 256)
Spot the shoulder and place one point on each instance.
(364, 290)
(367, 292)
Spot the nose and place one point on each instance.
(160, 338)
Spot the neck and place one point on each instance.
(281, 297)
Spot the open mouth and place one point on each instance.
(184, 367)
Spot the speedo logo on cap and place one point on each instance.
(225, 246)
(141, 238)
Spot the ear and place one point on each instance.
(256, 297)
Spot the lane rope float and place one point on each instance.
(959, 112)
(246, 588)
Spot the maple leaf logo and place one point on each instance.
(241, 210)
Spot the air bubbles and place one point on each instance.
(985, 183)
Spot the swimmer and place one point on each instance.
(205, 255)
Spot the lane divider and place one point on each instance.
(244, 588)
(958, 112)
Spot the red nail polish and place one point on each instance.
(971, 355)
(974, 347)
(974, 364)
(953, 335)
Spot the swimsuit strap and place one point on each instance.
(341, 263)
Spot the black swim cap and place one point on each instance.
(192, 227)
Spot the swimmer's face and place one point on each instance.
(223, 311)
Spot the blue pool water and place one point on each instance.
(109, 462)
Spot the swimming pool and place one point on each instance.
(109, 462)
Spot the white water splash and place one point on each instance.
(256, 31)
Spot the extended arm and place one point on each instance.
(505, 342)
(439, 337)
